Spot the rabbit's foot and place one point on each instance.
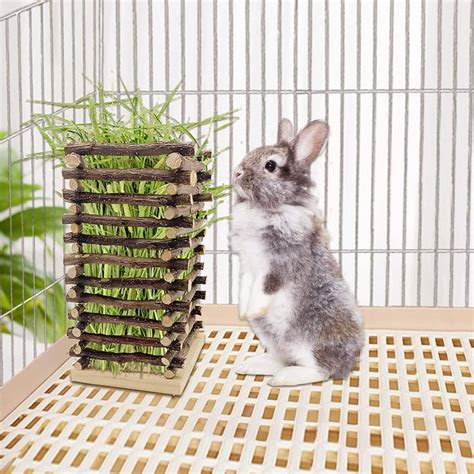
(262, 364)
(297, 375)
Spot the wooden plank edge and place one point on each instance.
(410, 318)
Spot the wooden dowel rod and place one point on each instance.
(135, 199)
(135, 174)
(168, 339)
(136, 243)
(75, 271)
(134, 262)
(74, 209)
(131, 149)
(149, 222)
(129, 304)
(174, 212)
(73, 160)
(76, 312)
(145, 323)
(153, 283)
(109, 339)
(120, 356)
(81, 363)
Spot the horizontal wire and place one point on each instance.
(466, 90)
(23, 9)
(380, 251)
(31, 298)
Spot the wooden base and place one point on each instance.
(145, 382)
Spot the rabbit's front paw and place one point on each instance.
(261, 364)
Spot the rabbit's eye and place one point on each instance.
(270, 165)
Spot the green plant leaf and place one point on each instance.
(32, 222)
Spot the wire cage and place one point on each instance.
(394, 80)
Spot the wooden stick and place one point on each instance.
(168, 339)
(149, 222)
(135, 174)
(120, 356)
(153, 283)
(109, 339)
(174, 189)
(169, 373)
(178, 327)
(174, 212)
(81, 363)
(135, 243)
(84, 297)
(75, 271)
(135, 199)
(73, 160)
(190, 164)
(174, 161)
(76, 228)
(131, 149)
(74, 209)
(74, 185)
(134, 262)
(76, 312)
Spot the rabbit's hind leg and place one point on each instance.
(262, 364)
(297, 375)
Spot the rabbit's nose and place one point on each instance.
(238, 174)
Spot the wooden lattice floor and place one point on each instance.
(407, 408)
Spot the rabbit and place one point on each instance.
(291, 289)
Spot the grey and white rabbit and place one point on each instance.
(291, 288)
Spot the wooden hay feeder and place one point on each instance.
(179, 327)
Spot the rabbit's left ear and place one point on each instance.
(309, 142)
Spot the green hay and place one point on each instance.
(111, 118)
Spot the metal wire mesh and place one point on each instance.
(394, 79)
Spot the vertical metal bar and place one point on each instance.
(20, 120)
(262, 60)
(247, 76)
(310, 59)
(150, 51)
(326, 104)
(279, 60)
(118, 47)
(231, 131)
(183, 60)
(215, 56)
(9, 154)
(43, 171)
(372, 159)
(357, 197)
(33, 180)
(467, 291)
(453, 157)
(405, 148)
(295, 65)
(52, 71)
(167, 49)
(438, 157)
(94, 39)
(421, 154)
(341, 133)
(135, 45)
(389, 157)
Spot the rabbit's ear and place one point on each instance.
(285, 132)
(309, 142)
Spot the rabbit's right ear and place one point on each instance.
(285, 132)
